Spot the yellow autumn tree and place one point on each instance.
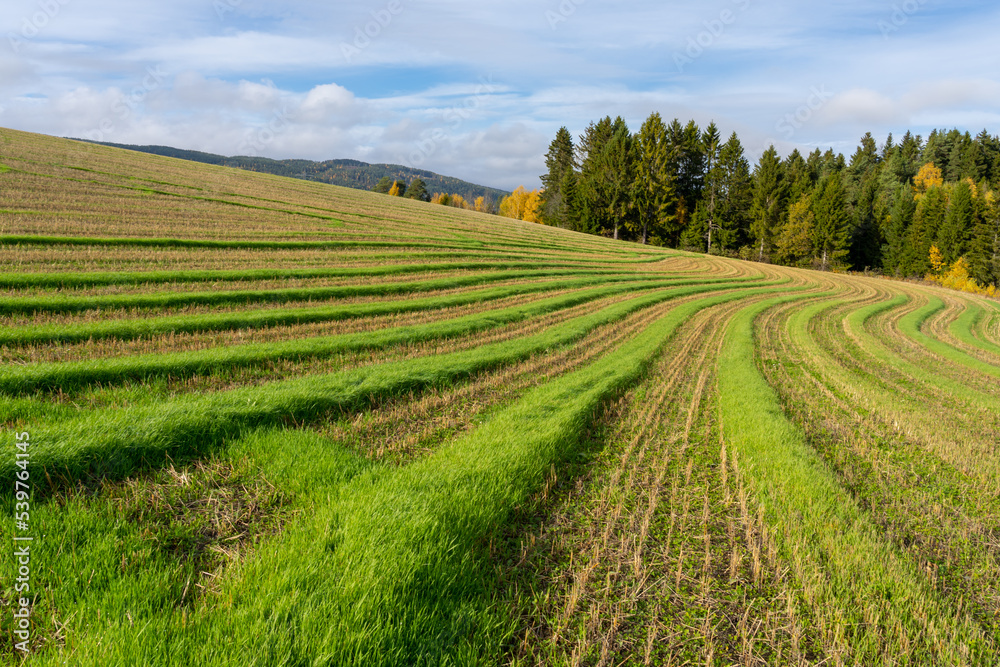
(394, 190)
(522, 205)
(481, 204)
(532, 207)
(458, 201)
(937, 260)
(928, 177)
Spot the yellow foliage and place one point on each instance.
(481, 204)
(522, 205)
(928, 177)
(937, 260)
(957, 278)
(394, 190)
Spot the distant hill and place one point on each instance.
(348, 173)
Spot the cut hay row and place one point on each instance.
(74, 304)
(72, 375)
(128, 329)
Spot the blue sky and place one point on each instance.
(478, 90)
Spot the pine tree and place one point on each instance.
(832, 221)
(794, 243)
(769, 201)
(900, 218)
(712, 186)
(737, 195)
(593, 195)
(572, 206)
(618, 179)
(383, 186)
(656, 193)
(928, 218)
(558, 160)
(953, 236)
(418, 190)
(982, 251)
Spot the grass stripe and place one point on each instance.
(67, 376)
(96, 279)
(391, 567)
(966, 323)
(869, 599)
(113, 442)
(62, 303)
(131, 329)
(911, 325)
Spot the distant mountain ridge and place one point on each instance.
(348, 173)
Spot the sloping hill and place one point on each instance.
(256, 420)
(347, 173)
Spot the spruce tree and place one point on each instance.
(737, 195)
(770, 193)
(418, 190)
(558, 160)
(900, 218)
(655, 192)
(953, 236)
(832, 221)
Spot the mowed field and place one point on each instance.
(273, 422)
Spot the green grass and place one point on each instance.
(69, 376)
(868, 598)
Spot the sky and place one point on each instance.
(478, 90)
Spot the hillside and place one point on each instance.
(347, 173)
(250, 419)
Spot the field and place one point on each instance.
(260, 421)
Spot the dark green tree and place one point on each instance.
(733, 208)
(382, 187)
(418, 190)
(770, 202)
(656, 196)
(832, 224)
(928, 218)
(953, 236)
(558, 161)
(897, 228)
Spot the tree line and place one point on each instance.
(417, 189)
(883, 210)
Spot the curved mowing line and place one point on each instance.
(911, 325)
(60, 303)
(74, 280)
(205, 243)
(131, 329)
(67, 376)
(879, 351)
(113, 442)
(846, 565)
(964, 326)
(439, 512)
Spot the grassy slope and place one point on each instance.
(318, 554)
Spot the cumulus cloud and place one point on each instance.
(477, 90)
